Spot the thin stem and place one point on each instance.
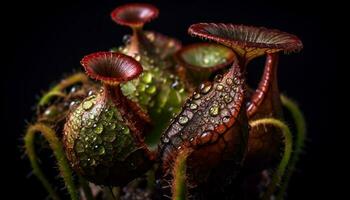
(134, 46)
(86, 188)
(57, 90)
(300, 124)
(151, 179)
(113, 192)
(288, 148)
(179, 174)
(58, 151)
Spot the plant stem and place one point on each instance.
(58, 151)
(288, 147)
(300, 124)
(179, 174)
(86, 188)
(57, 90)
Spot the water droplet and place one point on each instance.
(229, 81)
(109, 114)
(79, 147)
(196, 95)
(100, 150)
(73, 89)
(87, 104)
(193, 106)
(91, 92)
(165, 139)
(151, 90)
(206, 137)
(51, 111)
(141, 87)
(126, 39)
(171, 43)
(219, 87)
(225, 119)
(112, 126)
(206, 60)
(227, 98)
(98, 129)
(205, 88)
(183, 120)
(137, 57)
(214, 110)
(175, 84)
(126, 130)
(236, 80)
(151, 36)
(72, 104)
(218, 78)
(147, 77)
(92, 162)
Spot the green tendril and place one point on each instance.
(288, 148)
(57, 90)
(58, 151)
(300, 124)
(179, 174)
(86, 188)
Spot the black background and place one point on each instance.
(47, 39)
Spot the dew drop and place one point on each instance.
(126, 39)
(206, 89)
(73, 89)
(126, 130)
(227, 98)
(225, 119)
(100, 150)
(151, 36)
(183, 120)
(214, 110)
(193, 106)
(151, 90)
(205, 137)
(98, 129)
(79, 147)
(137, 57)
(147, 77)
(206, 60)
(109, 115)
(51, 111)
(229, 81)
(166, 140)
(175, 84)
(112, 126)
(218, 78)
(91, 92)
(72, 104)
(196, 95)
(87, 104)
(141, 87)
(219, 87)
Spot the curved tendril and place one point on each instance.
(86, 188)
(57, 90)
(300, 124)
(58, 151)
(288, 148)
(179, 174)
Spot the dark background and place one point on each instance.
(47, 39)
